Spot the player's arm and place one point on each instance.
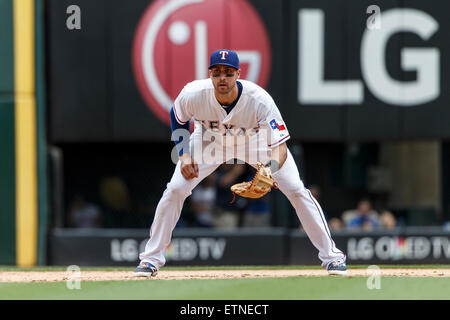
(278, 157)
(277, 134)
(189, 168)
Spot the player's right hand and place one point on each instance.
(189, 169)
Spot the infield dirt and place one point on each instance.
(54, 276)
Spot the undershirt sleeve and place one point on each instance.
(181, 108)
(180, 133)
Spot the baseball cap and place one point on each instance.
(224, 57)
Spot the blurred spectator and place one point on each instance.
(116, 201)
(114, 193)
(257, 213)
(446, 226)
(387, 220)
(203, 202)
(228, 214)
(361, 218)
(83, 214)
(315, 191)
(335, 224)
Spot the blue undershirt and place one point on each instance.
(174, 124)
(231, 106)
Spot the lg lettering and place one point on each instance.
(314, 89)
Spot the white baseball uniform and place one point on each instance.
(247, 132)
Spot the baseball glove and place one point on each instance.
(260, 185)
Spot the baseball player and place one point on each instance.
(234, 119)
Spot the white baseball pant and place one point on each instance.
(289, 183)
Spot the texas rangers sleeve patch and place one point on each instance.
(279, 132)
(277, 126)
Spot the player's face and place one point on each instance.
(224, 78)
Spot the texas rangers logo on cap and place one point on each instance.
(224, 57)
(224, 54)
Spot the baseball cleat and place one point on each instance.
(145, 269)
(337, 267)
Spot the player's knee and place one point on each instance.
(297, 194)
(178, 192)
(297, 191)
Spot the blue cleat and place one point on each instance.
(337, 267)
(145, 269)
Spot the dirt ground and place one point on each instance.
(52, 276)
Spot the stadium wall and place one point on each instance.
(7, 136)
(273, 246)
(23, 165)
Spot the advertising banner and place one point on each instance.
(188, 247)
(337, 70)
(198, 247)
(398, 247)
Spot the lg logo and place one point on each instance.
(174, 39)
(314, 89)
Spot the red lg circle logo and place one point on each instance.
(174, 39)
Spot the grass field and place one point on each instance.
(285, 288)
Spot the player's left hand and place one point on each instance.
(189, 169)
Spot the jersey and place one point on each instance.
(255, 111)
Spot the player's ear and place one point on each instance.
(239, 73)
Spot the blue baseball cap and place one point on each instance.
(224, 57)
